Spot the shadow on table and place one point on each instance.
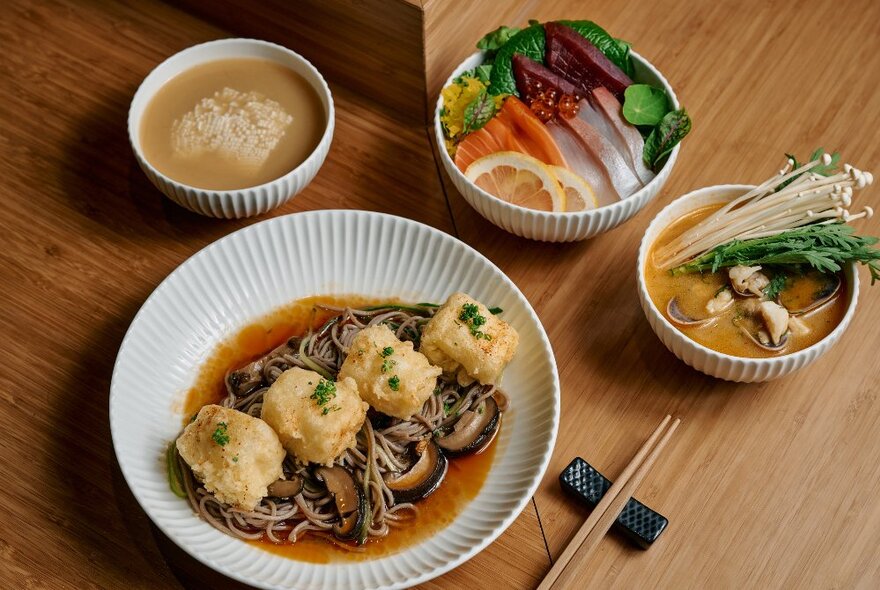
(104, 184)
(103, 521)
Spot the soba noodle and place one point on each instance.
(382, 444)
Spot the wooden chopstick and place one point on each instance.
(587, 538)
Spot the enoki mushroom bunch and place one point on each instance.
(792, 198)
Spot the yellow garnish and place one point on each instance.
(456, 97)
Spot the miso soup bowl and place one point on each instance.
(548, 226)
(702, 358)
(244, 202)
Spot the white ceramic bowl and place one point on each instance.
(710, 362)
(237, 203)
(259, 268)
(548, 226)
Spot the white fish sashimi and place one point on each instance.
(583, 164)
(599, 147)
(622, 133)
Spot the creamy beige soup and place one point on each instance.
(231, 124)
(726, 332)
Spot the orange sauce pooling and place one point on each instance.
(463, 480)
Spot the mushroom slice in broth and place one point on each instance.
(423, 477)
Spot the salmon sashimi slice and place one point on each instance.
(515, 128)
(625, 137)
(481, 143)
(584, 164)
(624, 180)
(531, 131)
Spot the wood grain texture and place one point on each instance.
(771, 485)
(373, 47)
(766, 485)
(85, 239)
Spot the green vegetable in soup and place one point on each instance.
(645, 105)
(825, 247)
(776, 286)
(665, 136)
(820, 168)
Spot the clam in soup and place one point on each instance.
(746, 311)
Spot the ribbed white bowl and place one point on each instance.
(259, 268)
(548, 226)
(711, 362)
(241, 202)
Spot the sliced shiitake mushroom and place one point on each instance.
(473, 431)
(286, 488)
(348, 497)
(423, 477)
(249, 377)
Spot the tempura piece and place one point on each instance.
(316, 419)
(390, 375)
(235, 455)
(465, 339)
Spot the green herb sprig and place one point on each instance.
(324, 392)
(387, 363)
(776, 286)
(221, 435)
(825, 247)
(821, 169)
(470, 315)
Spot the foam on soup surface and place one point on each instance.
(231, 124)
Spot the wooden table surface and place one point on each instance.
(766, 485)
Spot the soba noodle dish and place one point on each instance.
(339, 433)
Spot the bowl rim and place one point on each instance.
(489, 538)
(319, 84)
(850, 274)
(545, 215)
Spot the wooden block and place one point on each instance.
(373, 47)
(397, 53)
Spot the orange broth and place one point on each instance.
(463, 480)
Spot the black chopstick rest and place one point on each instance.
(637, 522)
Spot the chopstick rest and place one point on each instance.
(636, 522)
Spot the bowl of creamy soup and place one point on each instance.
(739, 323)
(232, 128)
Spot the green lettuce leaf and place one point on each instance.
(645, 105)
(478, 112)
(665, 136)
(529, 42)
(493, 41)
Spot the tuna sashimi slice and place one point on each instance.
(583, 163)
(624, 180)
(580, 62)
(623, 134)
(527, 72)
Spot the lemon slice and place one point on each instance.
(518, 179)
(579, 195)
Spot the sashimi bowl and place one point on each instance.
(556, 226)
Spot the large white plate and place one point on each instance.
(257, 269)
